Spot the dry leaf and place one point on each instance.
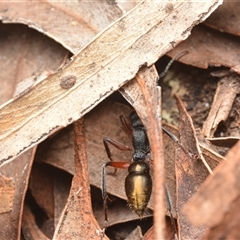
(230, 22)
(228, 142)
(215, 204)
(24, 53)
(208, 47)
(72, 24)
(7, 188)
(77, 218)
(30, 229)
(228, 86)
(18, 171)
(107, 70)
(190, 172)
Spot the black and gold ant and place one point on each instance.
(138, 182)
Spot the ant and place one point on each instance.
(138, 182)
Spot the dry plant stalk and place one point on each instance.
(145, 97)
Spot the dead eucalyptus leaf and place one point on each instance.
(18, 171)
(208, 47)
(228, 86)
(81, 21)
(226, 18)
(190, 172)
(99, 70)
(228, 142)
(30, 228)
(77, 218)
(25, 53)
(7, 188)
(215, 204)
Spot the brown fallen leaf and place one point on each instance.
(81, 21)
(230, 22)
(229, 227)
(18, 172)
(228, 142)
(77, 220)
(228, 86)
(208, 47)
(190, 173)
(107, 70)
(7, 188)
(49, 188)
(211, 153)
(215, 204)
(135, 234)
(25, 53)
(30, 229)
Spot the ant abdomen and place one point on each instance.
(138, 186)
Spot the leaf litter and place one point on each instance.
(198, 109)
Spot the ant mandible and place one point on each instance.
(138, 182)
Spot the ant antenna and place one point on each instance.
(176, 57)
(176, 140)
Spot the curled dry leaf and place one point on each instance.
(77, 220)
(30, 229)
(215, 204)
(18, 171)
(228, 86)
(208, 47)
(211, 153)
(25, 53)
(136, 234)
(228, 142)
(190, 172)
(226, 18)
(47, 107)
(72, 24)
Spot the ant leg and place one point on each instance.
(116, 165)
(169, 209)
(125, 125)
(176, 140)
(116, 144)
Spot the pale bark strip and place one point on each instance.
(110, 60)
